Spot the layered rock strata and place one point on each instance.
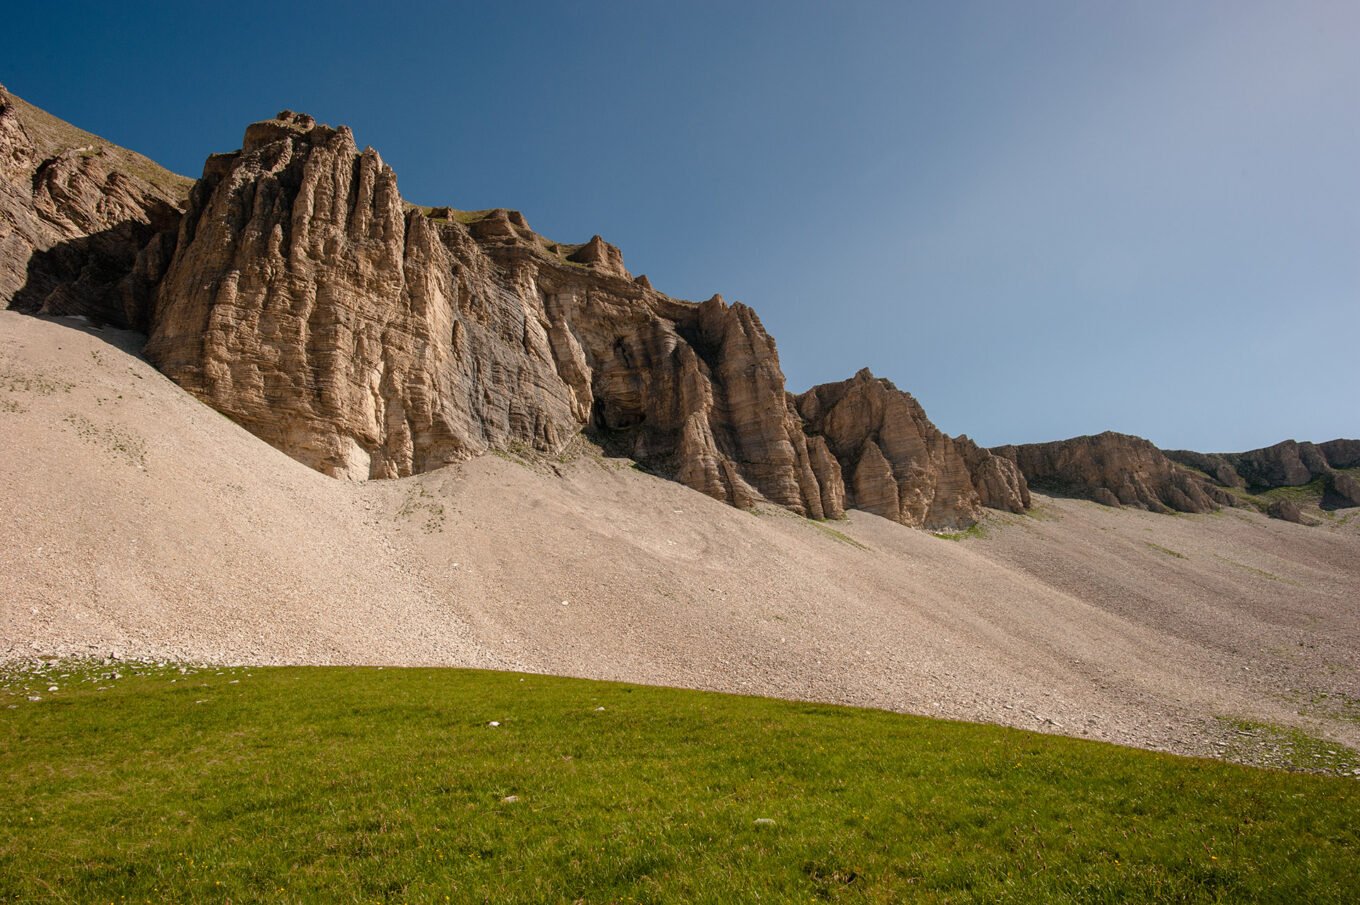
(300, 295)
(369, 338)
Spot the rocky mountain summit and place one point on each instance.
(293, 289)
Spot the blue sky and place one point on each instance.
(1043, 219)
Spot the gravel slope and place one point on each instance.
(140, 522)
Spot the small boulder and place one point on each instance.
(1286, 511)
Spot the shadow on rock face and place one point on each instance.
(108, 277)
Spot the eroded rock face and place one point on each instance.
(1341, 453)
(1287, 464)
(79, 220)
(900, 466)
(370, 339)
(306, 303)
(1116, 470)
(1212, 464)
(999, 482)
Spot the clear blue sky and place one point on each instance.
(1043, 219)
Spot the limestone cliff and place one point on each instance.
(370, 338)
(301, 296)
(294, 290)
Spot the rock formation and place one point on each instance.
(80, 219)
(1286, 464)
(1285, 510)
(1117, 470)
(370, 338)
(296, 292)
(897, 464)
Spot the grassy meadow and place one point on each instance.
(393, 785)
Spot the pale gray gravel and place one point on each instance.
(140, 522)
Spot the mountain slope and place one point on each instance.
(141, 521)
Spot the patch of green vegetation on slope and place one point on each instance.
(363, 785)
(839, 536)
(1308, 496)
(976, 530)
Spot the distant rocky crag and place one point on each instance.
(1287, 464)
(1117, 470)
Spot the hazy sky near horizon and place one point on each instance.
(1043, 219)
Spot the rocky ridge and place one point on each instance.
(295, 290)
(300, 295)
(900, 466)
(1286, 464)
(1116, 470)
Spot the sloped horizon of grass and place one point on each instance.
(392, 785)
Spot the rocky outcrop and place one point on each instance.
(1116, 470)
(1286, 464)
(296, 291)
(999, 482)
(899, 465)
(369, 338)
(80, 219)
(1286, 511)
(1341, 453)
(1339, 491)
(599, 253)
(301, 296)
(1212, 464)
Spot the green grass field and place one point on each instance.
(368, 785)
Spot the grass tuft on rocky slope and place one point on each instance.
(364, 785)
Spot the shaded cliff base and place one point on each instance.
(142, 522)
